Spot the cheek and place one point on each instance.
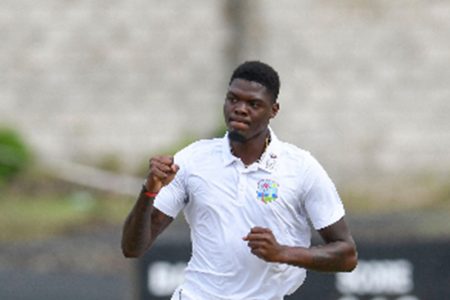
(260, 123)
(226, 111)
(265, 117)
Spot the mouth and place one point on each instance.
(238, 124)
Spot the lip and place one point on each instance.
(238, 123)
(239, 120)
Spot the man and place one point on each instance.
(249, 199)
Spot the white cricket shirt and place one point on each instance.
(222, 200)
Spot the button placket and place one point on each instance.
(242, 185)
(243, 182)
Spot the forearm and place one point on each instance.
(137, 230)
(339, 256)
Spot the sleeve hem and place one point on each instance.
(330, 221)
(166, 210)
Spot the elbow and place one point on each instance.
(351, 261)
(129, 252)
(134, 251)
(351, 265)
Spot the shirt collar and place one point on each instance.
(227, 156)
(268, 159)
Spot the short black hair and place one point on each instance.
(259, 72)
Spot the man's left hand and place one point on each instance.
(263, 244)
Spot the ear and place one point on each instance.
(275, 109)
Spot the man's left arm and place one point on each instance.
(338, 254)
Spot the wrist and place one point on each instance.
(150, 186)
(148, 193)
(282, 256)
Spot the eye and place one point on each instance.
(231, 99)
(254, 104)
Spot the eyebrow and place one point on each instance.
(230, 93)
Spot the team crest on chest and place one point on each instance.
(267, 190)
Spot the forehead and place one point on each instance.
(249, 89)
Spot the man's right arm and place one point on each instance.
(142, 226)
(144, 222)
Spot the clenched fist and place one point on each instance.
(162, 170)
(263, 244)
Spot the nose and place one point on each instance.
(240, 108)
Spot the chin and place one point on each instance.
(236, 136)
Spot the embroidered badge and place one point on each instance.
(267, 190)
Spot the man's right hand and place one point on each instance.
(162, 170)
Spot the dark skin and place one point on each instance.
(248, 109)
(144, 223)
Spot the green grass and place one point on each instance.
(39, 215)
(400, 195)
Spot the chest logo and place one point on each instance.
(267, 190)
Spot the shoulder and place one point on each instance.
(300, 162)
(200, 149)
(296, 155)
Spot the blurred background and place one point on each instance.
(89, 90)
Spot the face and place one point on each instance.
(248, 109)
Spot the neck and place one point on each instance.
(251, 149)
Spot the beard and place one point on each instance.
(236, 137)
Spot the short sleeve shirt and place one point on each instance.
(287, 191)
